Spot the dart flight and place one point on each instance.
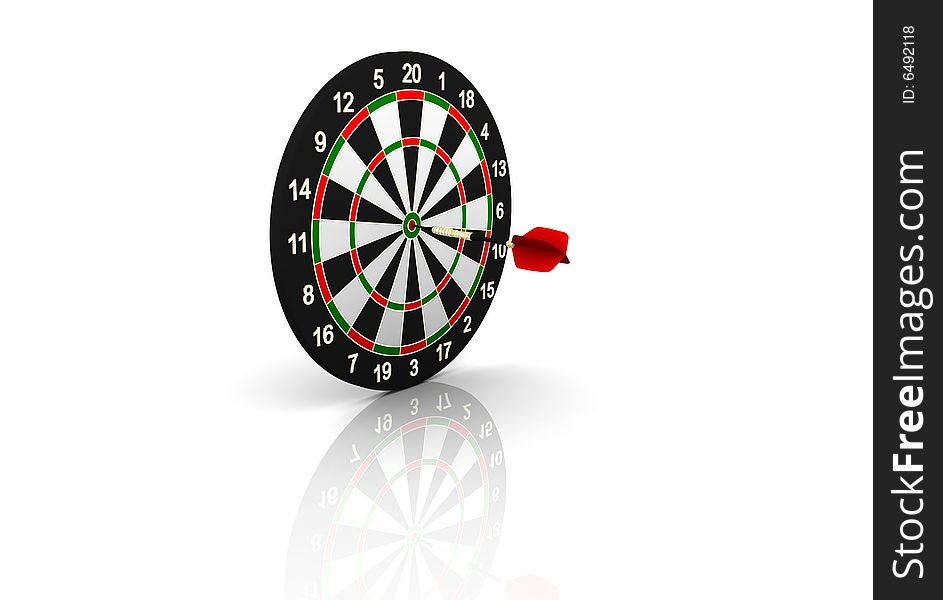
(540, 249)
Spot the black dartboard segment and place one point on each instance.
(393, 143)
(407, 503)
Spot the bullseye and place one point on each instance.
(411, 225)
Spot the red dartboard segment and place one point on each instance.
(354, 205)
(362, 341)
(319, 197)
(376, 161)
(460, 118)
(355, 259)
(359, 118)
(410, 95)
(378, 298)
(444, 282)
(459, 312)
(322, 282)
(414, 347)
(484, 169)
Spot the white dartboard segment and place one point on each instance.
(476, 216)
(386, 122)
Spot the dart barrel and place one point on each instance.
(473, 236)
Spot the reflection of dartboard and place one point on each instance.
(394, 144)
(407, 503)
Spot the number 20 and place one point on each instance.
(412, 73)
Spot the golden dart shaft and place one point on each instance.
(458, 233)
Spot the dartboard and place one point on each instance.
(407, 503)
(393, 145)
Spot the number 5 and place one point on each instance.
(378, 78)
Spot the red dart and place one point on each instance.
(540, 249)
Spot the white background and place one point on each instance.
(685, 409)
